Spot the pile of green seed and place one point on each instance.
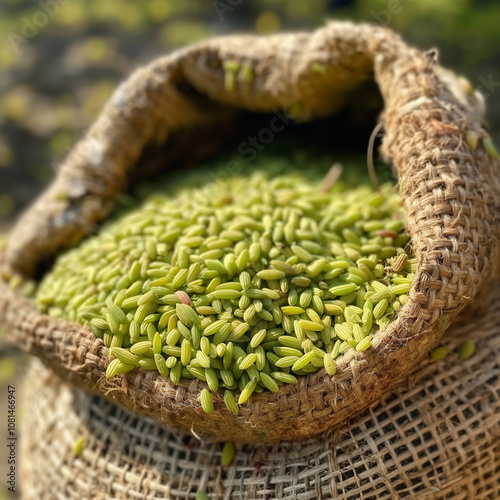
(245, 283)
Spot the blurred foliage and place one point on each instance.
(59, 62)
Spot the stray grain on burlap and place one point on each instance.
(451, 193)
(436, 437)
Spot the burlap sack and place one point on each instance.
(449, 187)
(436, 437)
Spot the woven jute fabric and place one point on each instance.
(436, 437)
(450, 190)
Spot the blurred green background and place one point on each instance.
(61, 59)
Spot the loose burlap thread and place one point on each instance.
(449, 189)
(436, 437)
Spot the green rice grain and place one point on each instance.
(228, 453)
(439, 353)
(467, 349)
(490, 148)
(78, 446)
(206, 401)
(231, 402)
